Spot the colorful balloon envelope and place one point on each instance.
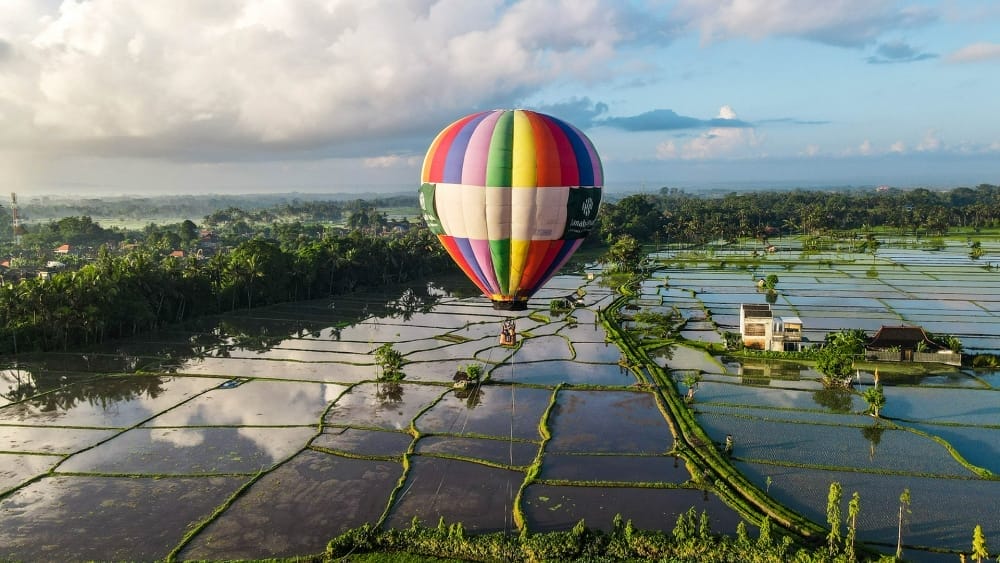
(511, 194)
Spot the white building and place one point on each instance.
(761, 330)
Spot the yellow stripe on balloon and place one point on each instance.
(524, 171)
(518, 258)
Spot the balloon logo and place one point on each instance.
(511, 194)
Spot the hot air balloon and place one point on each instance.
(511, 194)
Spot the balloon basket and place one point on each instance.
(510, 305)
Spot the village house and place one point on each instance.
(761, 330)
(908, 344)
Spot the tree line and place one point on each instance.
(122, 295)
(672, 215)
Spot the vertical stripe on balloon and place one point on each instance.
(502, 196)
(524, 165)
(451, 246)
(501, 147)
(475, 149)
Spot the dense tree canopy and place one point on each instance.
(677, 216)
(122, 295)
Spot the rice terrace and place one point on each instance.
(267, 433)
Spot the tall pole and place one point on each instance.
(14, 219)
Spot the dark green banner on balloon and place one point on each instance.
(429, 211)
(581, 211)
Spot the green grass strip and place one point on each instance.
(531, 474)
(853, 469)
(198, 527)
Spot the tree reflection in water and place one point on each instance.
(42, 381)
(388, 393)
(472, 394)
(834, 399)
(49, 391)
(412, 301)
(873, 434)
(20, 384)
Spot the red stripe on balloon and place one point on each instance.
(541, 255)
(569, 174)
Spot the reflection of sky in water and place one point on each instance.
(608, 422)
(553, 372)
(110, 402)
(297, 508)
(152, 451)
(363, 442)
(272, 403)
(597, 352)
(41, 439)
(266, 369)
(685, 357)
(964, 406)
(444, 350)
(440, 488)
(434, 371)
(979, 446)
(497, 410)
(712, 392)
(612, 468)
(342, 346)
(702, 336)
(941, 512)
(543, 348)
(293, 355)
(915, 306)
(97, 518)
(497, 451)
(385, 405)
(584, 332)
(834, 446)
(549, 328)
(19, 468)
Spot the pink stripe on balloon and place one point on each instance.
(481, 248)
(478, 151)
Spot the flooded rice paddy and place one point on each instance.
(940, 433)
(265, 434)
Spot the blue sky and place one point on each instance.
(240, 96)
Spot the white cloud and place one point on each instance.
(865, 148)
(390, 161)
(107, 76)
(666, 150)
(977, 52)
(930, 142)
(838, 22)
(718, 142)
(899, 147)
(810, 150)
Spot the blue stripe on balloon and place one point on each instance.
(455, 160)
